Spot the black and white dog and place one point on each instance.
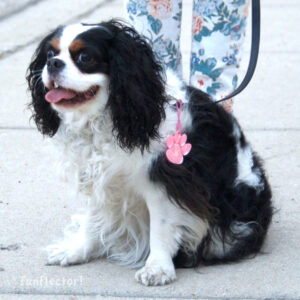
(99, 90)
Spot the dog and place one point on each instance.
(114, 114)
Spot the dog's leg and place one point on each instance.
(79, 244)
(164, 240)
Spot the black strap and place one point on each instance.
(254, 50)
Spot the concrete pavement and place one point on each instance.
(35, 206)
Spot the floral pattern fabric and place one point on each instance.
(218, 30)
(160, 21)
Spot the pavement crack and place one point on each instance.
(15, 128)
(289, 153)
(273, 129)
(9, 52)
(20, 9)
(12, 247)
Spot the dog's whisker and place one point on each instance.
(37, 71)
(36, 75)
(92, 91)
(38, 82)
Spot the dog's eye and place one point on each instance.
(50, 54)
(84, 57)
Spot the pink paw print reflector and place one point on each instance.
(177, 146)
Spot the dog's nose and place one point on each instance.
(54, 65)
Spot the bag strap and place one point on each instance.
(254, 50)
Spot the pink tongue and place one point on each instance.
(59, 94)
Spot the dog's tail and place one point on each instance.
(242, 237)
(241, 240)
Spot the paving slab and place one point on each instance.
(35, 206)
(271, 100)
(13, 92)
(40, 19)
(280, 36)
(69, 297)
(10, 7)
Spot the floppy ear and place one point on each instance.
(137, 93)
(45, 117)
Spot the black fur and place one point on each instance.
(204, 184)
(45, 117)
(97, 41)
(137, 94)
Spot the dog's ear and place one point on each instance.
(45, 117)
(137, 93)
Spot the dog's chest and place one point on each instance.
(95, 162)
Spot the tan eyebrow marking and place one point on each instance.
(76, 46)
(55, 43)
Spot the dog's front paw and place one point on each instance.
(154, 274)
(64, 254)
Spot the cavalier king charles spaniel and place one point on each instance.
(170, 178)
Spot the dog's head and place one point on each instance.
(87, 68)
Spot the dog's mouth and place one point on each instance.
(67, 97)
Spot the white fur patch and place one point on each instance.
(246, 173)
